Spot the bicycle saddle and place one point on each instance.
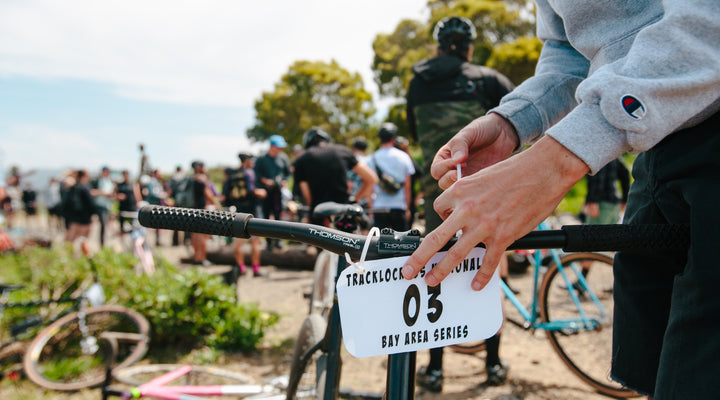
(331, 208)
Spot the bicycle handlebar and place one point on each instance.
(570, 238)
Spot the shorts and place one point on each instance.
(666, 330)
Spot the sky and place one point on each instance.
(83, 82)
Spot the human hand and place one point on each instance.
(592, 210)
(482, 143)
(496, 206)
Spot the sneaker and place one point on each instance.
(430, 379)
(496, 374)
(512, 289)
(259, 274)
(577, 286)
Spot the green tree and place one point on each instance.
(314, 93)
(516, 60)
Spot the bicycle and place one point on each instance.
(187, 382)
(317, 329)
(401, 367)
(70, 350)
(574, 309)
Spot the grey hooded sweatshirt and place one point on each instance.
(619, 76)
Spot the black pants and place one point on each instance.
(394, 219)
(666, 336)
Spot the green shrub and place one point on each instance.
(188, 308)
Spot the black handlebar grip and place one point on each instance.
(220, 223)
(626, 237)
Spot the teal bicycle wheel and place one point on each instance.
(585, 348)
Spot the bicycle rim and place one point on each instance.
(307, 377)
(62, 358)
(587, 352)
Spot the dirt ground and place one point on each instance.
(536, 372)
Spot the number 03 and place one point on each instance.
(413, 293)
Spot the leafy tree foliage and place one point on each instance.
(314, 93)
(516, 60)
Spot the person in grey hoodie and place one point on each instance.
(613, 77)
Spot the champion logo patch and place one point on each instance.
(633, 107)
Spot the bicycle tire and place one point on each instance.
(55, 358)
(307, 377)
(587, 353)
(136, 375)
(323, 290)
(473, 347)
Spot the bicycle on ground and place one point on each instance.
(325, 340)
(73, 343)
(187, 382)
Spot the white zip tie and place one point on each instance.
(359, 266)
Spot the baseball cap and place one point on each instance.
(278, 141)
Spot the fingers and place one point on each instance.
(450, 260)
(430, 245)
(489, 264)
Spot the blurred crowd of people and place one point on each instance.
(260, 184)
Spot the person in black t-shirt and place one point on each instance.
(239, 191)
(128, 194)
(79, 208)
(321, 172)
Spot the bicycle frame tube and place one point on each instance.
(583, 322)
(332, 377)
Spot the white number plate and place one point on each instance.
(383, 313)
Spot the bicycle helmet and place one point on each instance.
(387, 131)
(315, 135)
(453, 33)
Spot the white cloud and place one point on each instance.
(216, 52)
(220, 149)
(37, 146)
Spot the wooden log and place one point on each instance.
(292, 257)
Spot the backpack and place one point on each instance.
(387, 183)
(185, 195)
(236, 190)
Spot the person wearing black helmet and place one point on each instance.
(393, 191)
(321, 171)
(446, 93)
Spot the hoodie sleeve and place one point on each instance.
(669, 79)
(541, 101)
